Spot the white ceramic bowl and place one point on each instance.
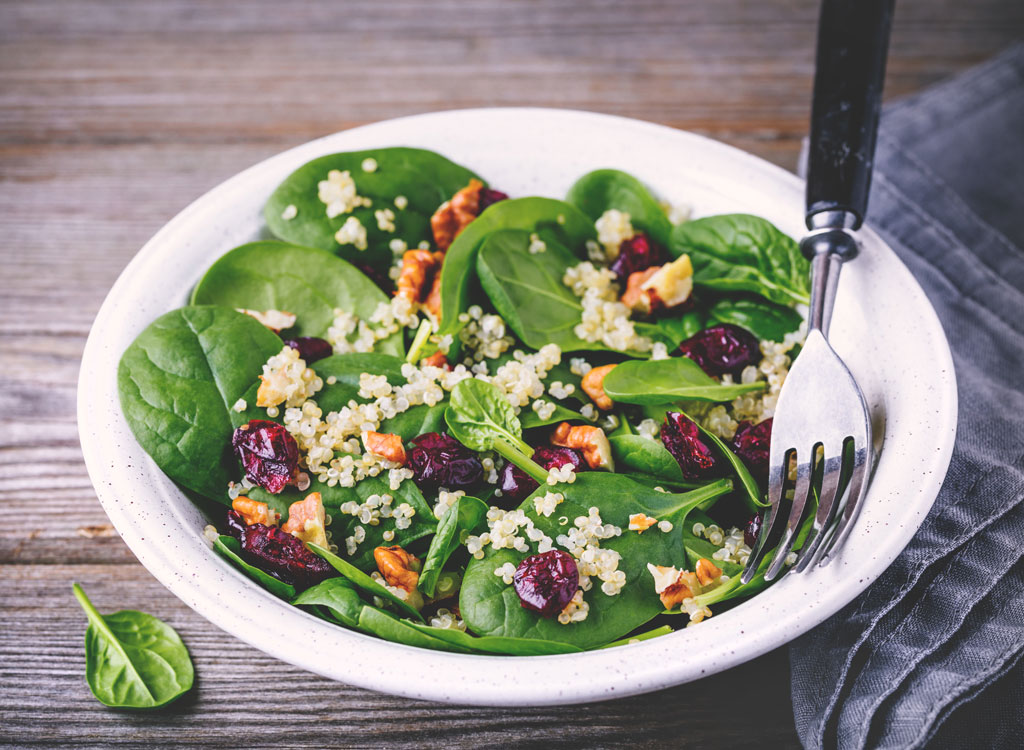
(884, 328)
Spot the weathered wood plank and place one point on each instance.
(246, 699)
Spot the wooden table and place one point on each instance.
(115, 115)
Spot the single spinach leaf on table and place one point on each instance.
(364, 582)
(308, 282)
(338, 596)
(178, 382)
(603, 189)
(424, 178)
(489, 607)
(460, 520)
(231, 549)
(566, 223)
(132, 659)
(766, 320)
(496, 644)
(665, 381)
(740, 252)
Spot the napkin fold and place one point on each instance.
(931, 653)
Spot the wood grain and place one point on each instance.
(114, 115)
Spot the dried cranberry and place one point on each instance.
(279, 553)
(682, 439)
(547, 582)
(439, 460)
(268, 453)
(375, 275)
(751, 443)
(637, 253)
(310, 348)
(516, 485)
(489, 197)
(722, 348)
(753, 530)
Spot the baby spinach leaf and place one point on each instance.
(480, 417)
(460, 520)
(597, 191)
(346, 370)
(133, 660)
(665, 381)
(336, 595)
(305, 281)
(563, 221)
(766, 320)
(638, 453)
(231, 549)
(698, 547)
(489, 607)
(362, 581)
(178, 382)
(752, 495)
(424, 178)
(675, 330)
(646, 635)
(416, 421)
(740, 252)
(530, 419)
(527, 290)
(390, 628)
(496, 644)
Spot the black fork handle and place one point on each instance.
(853, 39)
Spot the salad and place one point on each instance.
(463, 421)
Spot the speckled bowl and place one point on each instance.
(884, 328)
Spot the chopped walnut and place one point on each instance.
(399, 568)
(252, 511)
(437, 359)
(640, 522)
(417, 268)
(306, 520)
(635, 298)
(453, 216)
(385, 445)
(591, 441)
(433, 302)
(707, 571)
(593, 386)
(275, 320)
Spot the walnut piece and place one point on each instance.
(590, 441)
(454, 215)
(593, 386)
(385, 445)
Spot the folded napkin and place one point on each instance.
(931, 653)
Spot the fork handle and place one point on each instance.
(853, 38)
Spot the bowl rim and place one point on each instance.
(185, 565)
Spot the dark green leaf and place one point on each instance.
(569, 226)
(496, 644)
(638, 453)
(764, 319)
(752, 494)
(133, 660)
(665, 381)
(231, 549)
(479, 414)
(740, 252)
(597, 191)
(425, 178)
(338, 596)
(387, 626)
(362, 581)
(307, 282)
(460, 519)
(178, 382)
(530, 419)
(647, 635)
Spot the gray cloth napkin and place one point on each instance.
(931, 653)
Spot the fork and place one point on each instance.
(821, 421)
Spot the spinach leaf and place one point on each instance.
(766, 320)
(480, 417)
(362, 581)
(740, 252)
(638, 453)
(307, 282)
(752, 495)
(665, 381)
(531, 419)
(231, 549)
(527, 290)
(424, 178)
(698, 547)
(597, 191)
(335, 595)
(675, 330)
(390, 628)
(460, 520)
(565, 222)
(489, 607)
(346, 369)
(133, 660)
(178, 382)
(415, 421)
(647, 635)
(496, 644)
